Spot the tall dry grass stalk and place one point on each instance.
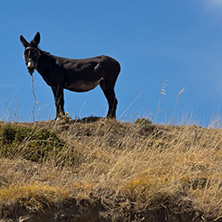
(181, 91)
(162, 92)
(137, 97)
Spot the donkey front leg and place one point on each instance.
(59, 100)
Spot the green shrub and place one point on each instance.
(36, 144)
(145, 126)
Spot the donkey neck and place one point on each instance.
(45, 63)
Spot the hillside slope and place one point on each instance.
(98, 169)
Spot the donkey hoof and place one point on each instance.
(109, 116)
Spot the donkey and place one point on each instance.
(78, 75)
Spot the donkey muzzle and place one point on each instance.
(31, 66)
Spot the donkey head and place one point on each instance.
(31, 53)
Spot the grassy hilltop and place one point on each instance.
(98, 169)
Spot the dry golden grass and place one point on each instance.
(150, 165)
(32, 195)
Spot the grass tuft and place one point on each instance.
(34, 143)
(34, 195)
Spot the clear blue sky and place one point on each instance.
(175, 40)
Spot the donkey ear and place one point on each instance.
(36, 39)
(23, 41)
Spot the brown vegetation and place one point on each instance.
(103, 170)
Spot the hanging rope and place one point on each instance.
(36, 102)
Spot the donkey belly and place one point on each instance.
(82, 85)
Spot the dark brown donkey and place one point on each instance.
(78, 75)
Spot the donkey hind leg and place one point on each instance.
(59, 101)
(111, 98)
